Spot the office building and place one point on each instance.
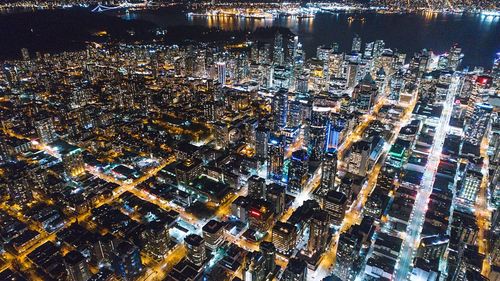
(221, 72)
(298, 171)
(269, 253)
(127, 262)
(284, 237)
(254, 267)
(76, 266)
(280, 109)
(276, 159)
(335, 204)
(357, 160)
(45, 130)
(356, 44)
(328, 170)
(196, 252)
(256, 187)
(213, 234)
(276, 195)
(296, 270)
(319, 232)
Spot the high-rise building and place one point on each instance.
(25, 54)
(221, 72)
(319, 231)
(76, 266)
(478, 125)
(127, 261)
(471, 185)
(298, 171)
(357, 160)
(365, 94)
(284, 237)
(296, 270)
(323, 52)
(155, 239)
(328, 170)
(433, 247)
(346, 187)
(275, 194)
(276, 158)
(103, 248)
(45, 130)
(295, 114)
(335, 204)
(455, 57)
(196, 252)
(213, 234)
(369, 50)
(254, 267)
(256, 187)
(347, 252)
(335, 66)
(352, 74)
(292, 44)
(317, 131)
(280, 109)
(269, 252)
(378, 48)
(356, 43)
(278, 52)
(261, 144)
(72, 159)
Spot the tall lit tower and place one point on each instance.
(221, 72)
(329, 170)
(297, 173)
(356, 44)
(280, 109)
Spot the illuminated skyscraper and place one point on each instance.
(280, 109)
(196, 252)
(365, 94)
(455, 57)
(478, 125)
(221, 72)
(319, 231)
(328, 170)
(278, 52)
(261, 142)
(256, 187)
(357, 160)
(284, 237)
(45, 130)
(298, 171)
(335, 204)
(276, 158)
(356, 43)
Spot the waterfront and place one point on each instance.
(478, 35)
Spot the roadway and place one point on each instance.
(412, 238)
(354, 214)
(481, 211)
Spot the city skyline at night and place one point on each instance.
(254, 141)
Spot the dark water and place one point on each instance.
(60, 30)
(478, 35)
